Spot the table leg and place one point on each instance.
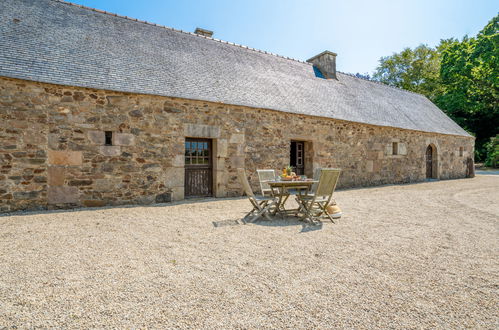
(279, 204)
(298, 199)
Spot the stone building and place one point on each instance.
(98, 109)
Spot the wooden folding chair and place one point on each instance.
(314, 206)
(317, 176)
(313, 188)
(265, 175)
(262, 205)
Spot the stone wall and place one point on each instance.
(53, 152)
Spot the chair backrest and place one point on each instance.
(241, 173)
(327, 181)
(317, 175)
(265, 175)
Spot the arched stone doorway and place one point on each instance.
(431, 162)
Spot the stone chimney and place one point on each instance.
(203, 32)
(326, 63)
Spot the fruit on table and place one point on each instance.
(289, 177)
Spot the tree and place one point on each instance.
(461, 77)
(469, 75)
(365, 76)
(415, 70)
(492, 148)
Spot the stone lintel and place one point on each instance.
(202, 131)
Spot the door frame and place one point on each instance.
(434, 161)
(209, 167)
(303, 156)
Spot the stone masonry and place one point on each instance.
(53, 152)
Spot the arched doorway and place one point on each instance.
(431, 162)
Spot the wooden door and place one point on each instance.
(429, 162)
(297, 157)
(198, 168)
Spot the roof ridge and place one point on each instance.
(178, 30)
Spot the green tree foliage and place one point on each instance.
(416, 70)
(461, 77)
(492, 148)
(469, 74)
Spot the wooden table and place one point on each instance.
(280, 189)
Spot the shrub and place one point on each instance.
(492, 148)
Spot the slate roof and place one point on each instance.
(62, 43)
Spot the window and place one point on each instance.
(395, 148)
(461, 151)
(108, 135)
(197, 152)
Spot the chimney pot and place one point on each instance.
(326, 63)
(203, 32)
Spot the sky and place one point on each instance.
(359, 31)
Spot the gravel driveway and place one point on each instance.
(422, 255)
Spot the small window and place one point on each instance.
(461, 151)
(395, 148)
(108, 138)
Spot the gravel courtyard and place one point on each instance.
(413, 256)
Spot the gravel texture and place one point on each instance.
(411, 256)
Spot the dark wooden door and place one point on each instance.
(198, 168)
(297, 157)
(429, 162)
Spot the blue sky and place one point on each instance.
(360, 31)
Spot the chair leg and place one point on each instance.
(263, 210)
(254, 218)
(262, 213)
(300, 206)
(330, 218)
(269, 206)
(324, 212)
(273, 207)
(266, 215)
(315, 214)
(307, 212)
(250, 212)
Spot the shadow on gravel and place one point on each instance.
(289, 221)
(209, 200)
